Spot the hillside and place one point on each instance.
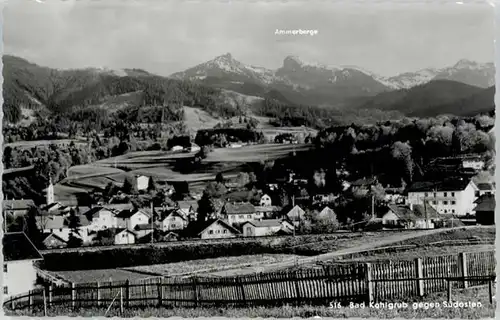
(424, 100)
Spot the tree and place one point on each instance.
(73, 220)
(31, 228)
(402, 152)
(74, 241)
(127, 187)
(151, 184)
(219, 178)
(205, 208)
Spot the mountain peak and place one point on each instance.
(226, 56)
(465, 63)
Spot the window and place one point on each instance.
(445, 202)
(453, 194)
(60, 230)
(172, 225)
(241, 216)
(225, 231)
(453, 202)
(5, 290)
(434, 202)
(445, 211)
(452, 210)
(4, 267)
(426, 194)
(249, 216)
(445, 194)
(218, 231)
(435, 194)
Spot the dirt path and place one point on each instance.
(327, 256)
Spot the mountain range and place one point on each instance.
(316, 83)
(465, 88)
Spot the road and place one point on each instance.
(391, 239)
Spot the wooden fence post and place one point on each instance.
(30, 299)
(73, 295)
(45, 301)
(127, 293)
(490, 289)
(462, 267)
(121, 299)
(297, 291)
(369, 282)
(242, 289)
(419, 267)
(195, 291)
(98, 294)
(449, 290)
(51, 289)
(160, 291)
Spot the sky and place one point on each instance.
(166, 37)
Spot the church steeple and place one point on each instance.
(50, 192)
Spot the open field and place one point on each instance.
(207, 265)
(98, 275)
(255, 153)
(477, 295)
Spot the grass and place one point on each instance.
(35, 143)
(255, 153)
(479, 294)
(99, 275)
(210, 265)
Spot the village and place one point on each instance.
(238, 212)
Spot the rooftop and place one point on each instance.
(452, 184)
(486, 203)
(17, 246)
(265, 223)
(17, 204)
(238, 208)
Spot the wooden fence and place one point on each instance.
(342, 282)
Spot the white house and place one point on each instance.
(269, 227)
(475, 163)
(238, 212)
(452, 196)
(177, 148)
(218, 228)
(419, 216)
(19, 273)
(142, 182)
(265, 201)
(124, 236)
(172, 221)
(296, 214)
(131, 218)
(101, 218)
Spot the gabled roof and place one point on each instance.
(93, 212)
(53, 235)
(17, 204)
(172, 213)
(50, 222)
(17, 246)
(202, 227)
(186, 204)
(126, 214)
(267, 208)
(404, 212)
(485, 203)
(240, 208)
(484, 186)
(265, 223)
(111, 232)
(144, 226)
(422, 210)
(452, 184)
(326, 212)
(295, 213)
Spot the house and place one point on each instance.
(172, 220)
(188, 208)
(115, 236)
(177, 148)
(420, 216)
(131, 218)
(238, 213)
(19, 272)
(142, 182)
(485, 188)
(326, 213)
(473, 162)
(266, 212)
(485, 209)
(194, 148)
(258, 228)
(101, 218)
(323, 198)
(454, 195)
(54, 208)
(17, 208)
(213, 229)
(296, 214)
(59, 225)
(265, 201)
(142, 230)
(52, 240)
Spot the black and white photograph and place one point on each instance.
(248, 159)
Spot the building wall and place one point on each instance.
(265, 201)
(173, 223)
(105, 219)
(253, 231)
(142, 183)
(459, 202)
(124, 238)
(240, 218)
(217, 230)
(19, 278)
(138, 218)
